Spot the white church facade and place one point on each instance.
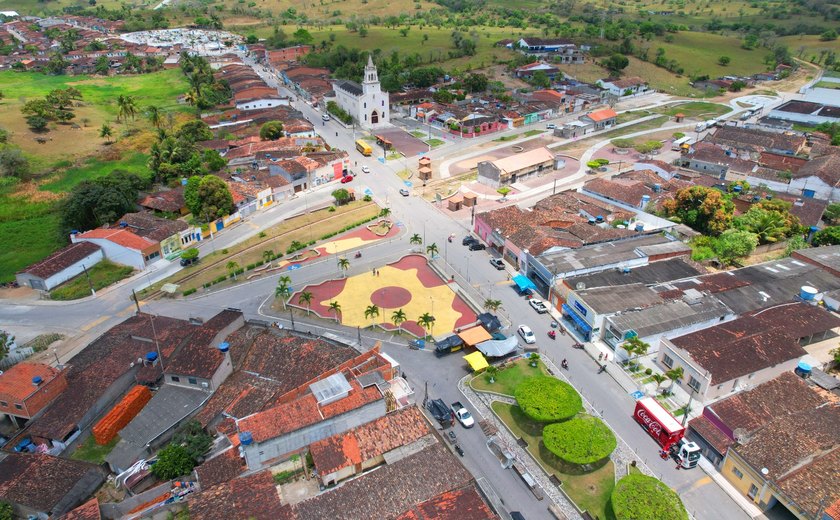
(368, 105)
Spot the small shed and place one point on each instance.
(679, 117)
(470, 200)
(455, 203)
(475, 335)
(425, 173)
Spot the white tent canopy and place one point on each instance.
(498, 347)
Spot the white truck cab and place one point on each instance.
(686, 452)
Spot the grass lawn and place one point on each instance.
(99, 95)
(694, 109)
(102, 275)
(828, 84)
(418, 134)
(93, 168)
(626, 117)
(509, 378)
(650, 124)
(304, 228)
(91, 452)
(698, 53)
(590, 491)
(434, 142)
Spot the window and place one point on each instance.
(737, 472)
(176, 379)
(753, 491)
(667, 361)
(4, 404)
(19, 406)
(193, 381)
(693, 383)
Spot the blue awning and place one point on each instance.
(523, 283)
(577, 319)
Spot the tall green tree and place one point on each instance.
(704, 209)
(126, 107)
(372, 312)
(398, 317)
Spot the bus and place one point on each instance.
(364, 148)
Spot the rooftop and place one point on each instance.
(604, 300)
(87, 511)
(252, 496)
(369, 440)
(670, 315)
(173, 200)
(351, 87)
(391, 490)
(462, 504)
(16, 382)
(756, 139)
(61, 259)
(754, 342)
(826, 168)
(654, 272)
(603, 254)
(199, 356)
(154, 228)
(120, 236)
(41, 481)
(519, 161)
(602, 115)
(221, 468)
(827, 256)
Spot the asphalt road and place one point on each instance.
(88, 318)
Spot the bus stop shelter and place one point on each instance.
(476, 361)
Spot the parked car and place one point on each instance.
(463, 415)
(186, 262)
(527, 334)
(469, 239)
(325, 117)
(497, 263)
(538, 305)
(346, 179)
(404, 192)
(440, 411)
(550, 126)
(477, 246)
(365, 169)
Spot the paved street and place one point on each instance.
(703, 498)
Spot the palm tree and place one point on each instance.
(232, 267)
(105, 132)
(154, 116)
(385, 212)
(336, 308)
(432, 250)
(492, 305)
(191, 98)
(415, 239)
(285, 280)
(267, 255)
(427, 321)
(658, 379)
(675, 374)
(372, 311)
(491, 373)
(344, 264)
(398, 317)
(306, 297)
(126, 107)
(635, 347)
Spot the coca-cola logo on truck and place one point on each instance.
(651, 424)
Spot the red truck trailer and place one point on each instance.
(666, 430)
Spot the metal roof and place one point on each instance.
(331, 388)
(669, 316)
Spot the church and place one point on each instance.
(366, 102)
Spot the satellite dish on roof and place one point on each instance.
(580, 286)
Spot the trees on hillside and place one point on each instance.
(92, 203)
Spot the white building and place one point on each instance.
(367, 103)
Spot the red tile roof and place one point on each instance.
(16, 382)
(120, 236)
(61, 259)
(461, 504)
(171, 200)
(256, 93)
(602, 115)
(43, 482)
(87, 511)
(369, 440)
(254, 496)
(198, 357)
(220, 468)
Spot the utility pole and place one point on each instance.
(292, 317)
(136, 301)
(359, 331)
(90, 284)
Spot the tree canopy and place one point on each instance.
(639, 497)
(547, 399)
(208, 197)
(92, 203)
(581, 440)
(704, 209)
(271, 131)
(829, 236)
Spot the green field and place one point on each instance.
(101, 275)
(698, 54)
(28, 230)
(694, 109)
(93, 168)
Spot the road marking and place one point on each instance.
(127, 310)
(701, 482)
(94, 323)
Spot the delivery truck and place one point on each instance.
(666, 431)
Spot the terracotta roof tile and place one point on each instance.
(170, 200)
(61, 259)
(220, 468)
(254, 496)
(461, 504)
(87, 511)
(602, 115)
(123, 237)
(151, 227)
(43, 482)
(16, 382)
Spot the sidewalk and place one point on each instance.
(749, 507)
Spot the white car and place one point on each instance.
(550, 126)
(365, 169)
(527, 334)
(325, 117)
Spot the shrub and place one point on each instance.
(331, 209)
(173, 461)
(367, 198)
(623, 143)
(648, 371)
(250, 266)
(189, 291)
(582, 440)
(639, 497)
(546, 399)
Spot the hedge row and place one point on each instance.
(639, 497)
(581, 440)
(349, 227)
(547, 399)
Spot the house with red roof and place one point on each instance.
(600, 119)
(60, 266)
(27, 388)
(527, 71)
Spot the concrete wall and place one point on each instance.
(822, 191)
(46, 284)
(489, 174)
(258, 104)
(117, 253)
(260, 455)
(743, 477)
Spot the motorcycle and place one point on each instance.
(459, 450)
(577, 345)
(552, 334)
(358, 254)
(562, 331)
(565, 364)
(603, 367)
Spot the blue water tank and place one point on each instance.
(802, 369)
(657, 188)
(246, 438)
(151, 356)
(123, 224)
(224, 346)
(599, 218)
(808, 293)
(640, 227)
(37, 380)
(738, 189)
(645, 200)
